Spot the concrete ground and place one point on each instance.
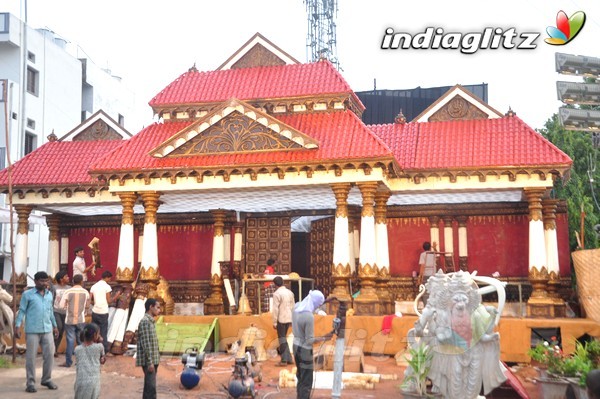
(121, 379)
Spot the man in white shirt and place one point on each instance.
(79, 264)
(100, 293)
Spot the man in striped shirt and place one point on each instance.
(75, 301)
(147, 354)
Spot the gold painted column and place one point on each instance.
(539, 303)
(549, 213)
(125, 260)
(148, 257)
(463, 253)
(21, 247)
(213, 305)
(150, 273)
(340, 269)
(383, 253)
(53, 223)
(367, 303)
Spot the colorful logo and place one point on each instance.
(567, 28)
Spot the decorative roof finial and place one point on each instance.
(193, 68)
(510, 112)
(400, 118)
(52, 137)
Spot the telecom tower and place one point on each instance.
(321, 38)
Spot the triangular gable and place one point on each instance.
(99, 126)
(258, 51)
(234, 127)
(457, 104)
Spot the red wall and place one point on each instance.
(185, 252)
(495, 243)
(109, 247)
(498, 243)
(405, 239)
(564, 252)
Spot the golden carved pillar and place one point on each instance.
(53, 223)
(463, 253)
(125, 260)
(367, 303)
(214, 303)
(383, 253)
(549, 214)
(149, 273)
(539, 303)
(340, 269)
(21, 245)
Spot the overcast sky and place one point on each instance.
(149, 43)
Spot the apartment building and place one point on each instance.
(47, 85)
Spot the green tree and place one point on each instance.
(576, 187)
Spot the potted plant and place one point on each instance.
(415, 376)
(585, 358)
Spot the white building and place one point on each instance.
(47, 87)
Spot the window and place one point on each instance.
(2, 159)
(31, 56)
(30, 123)
(33, 78)
(30, 142)
(4, 22)
(3, 83)
(121, 120)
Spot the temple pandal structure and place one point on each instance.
(242, 154)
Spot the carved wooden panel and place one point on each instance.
(321, 253)
(235, 133)
(268, 237)
(258, 56)
(458, 108)
(98, 130)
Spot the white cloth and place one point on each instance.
(79, 267)
(116, 330)
(99, 291)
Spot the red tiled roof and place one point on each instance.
(59, 163)
(280, 81)
(465, 144)
(341, 136)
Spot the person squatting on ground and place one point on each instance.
(89, 355)
(303, 326)
(75, 301)
(101, 296)
(283, 305)
(147, 348)
(62, 284)
(40, 330)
